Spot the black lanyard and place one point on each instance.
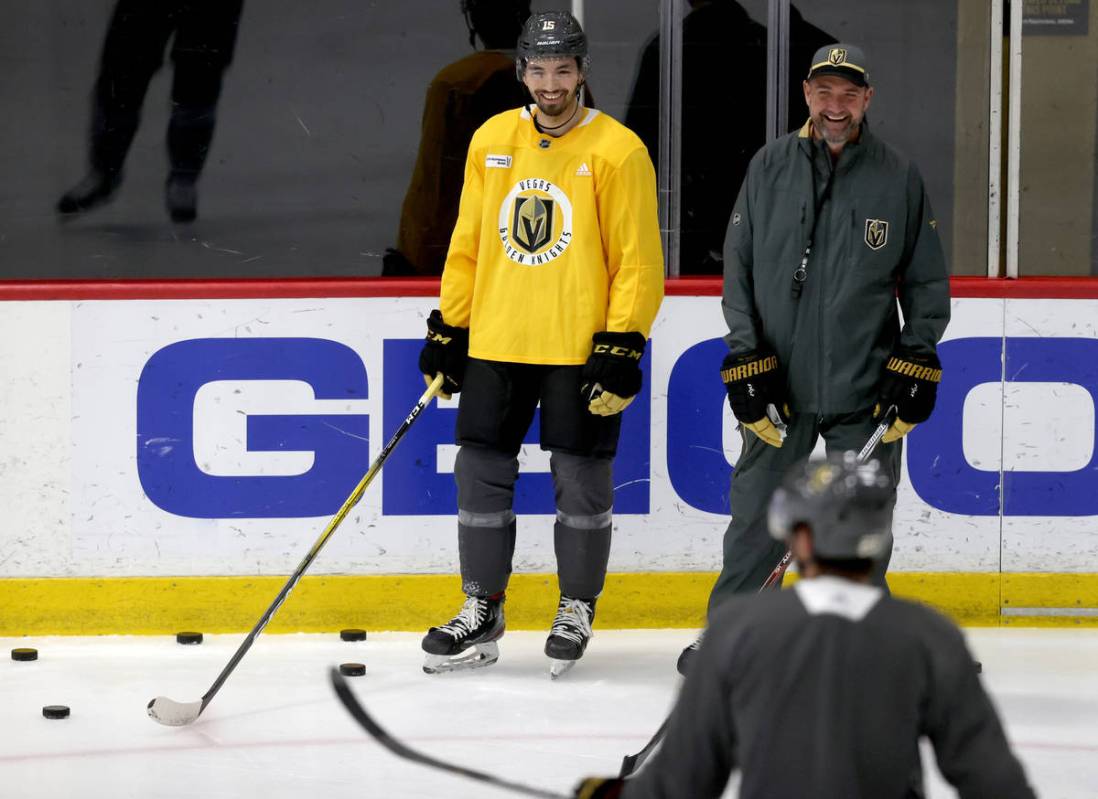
(800, 274)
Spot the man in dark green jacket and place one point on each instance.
(830, 229)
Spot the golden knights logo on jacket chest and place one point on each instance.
(535, 222)
(876, 233)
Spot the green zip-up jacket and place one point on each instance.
(876, 241)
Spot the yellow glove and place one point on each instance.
(765, 429)
(897, 430)
(599, 788)
(607, 404)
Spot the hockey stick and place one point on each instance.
(358, 712)
(864, 455)
(630, 763)
(177, 714)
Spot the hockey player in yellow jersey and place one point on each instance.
(552, 282)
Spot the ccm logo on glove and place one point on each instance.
(617, 351)
(438, 338)
(612, 375)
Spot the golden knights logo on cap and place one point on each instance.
(876, 233)
(535, 222)
(843, 60)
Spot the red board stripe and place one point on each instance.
(1022, 288)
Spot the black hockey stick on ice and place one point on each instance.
(177, 714)
(358, 712)
(630, 763)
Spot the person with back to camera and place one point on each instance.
(552, 282)
(824, 690)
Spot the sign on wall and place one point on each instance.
(217, 436)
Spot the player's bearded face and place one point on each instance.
(554, 84)
(836, 107)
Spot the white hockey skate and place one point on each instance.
(477, 627)
(569, 635)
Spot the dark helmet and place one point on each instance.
(551, 34)
(846, 504)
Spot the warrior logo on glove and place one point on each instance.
(742, 371)
(753, 383)
(910, 382)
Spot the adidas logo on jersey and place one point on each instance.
(584, 170)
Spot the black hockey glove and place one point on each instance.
(612, 375)
(754, 386)
(910, 382)
(446, 350)
(599, 788)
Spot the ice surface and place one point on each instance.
(276, 730)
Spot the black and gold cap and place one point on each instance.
(842, 60)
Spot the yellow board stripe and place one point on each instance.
(158, 605)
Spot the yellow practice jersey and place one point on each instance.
(556, 239)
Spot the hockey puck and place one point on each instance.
(55, 712)
(188, 638)
(352, 669)
(24, 654)
(979, 667)
(352, 635)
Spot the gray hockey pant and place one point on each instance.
(584, 493)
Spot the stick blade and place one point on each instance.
(173, 714)
(365, 720)
(628, 766)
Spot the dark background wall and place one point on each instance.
(317, 131)
(912, 48)
(319, 123)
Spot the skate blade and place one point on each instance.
(478, 657)
(559, 667)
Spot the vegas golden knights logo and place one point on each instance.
(532, 224)
(837, 55)
(535, 222)
(876, 233)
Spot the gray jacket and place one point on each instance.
(876, 240)
(823, 691)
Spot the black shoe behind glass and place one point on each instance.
(95, 189)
